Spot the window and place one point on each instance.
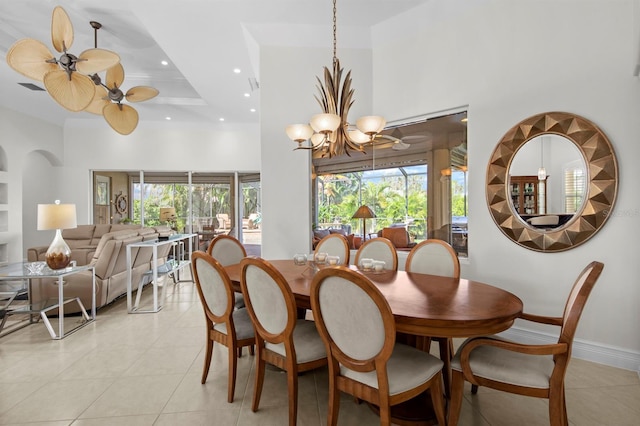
(574, 188)
(414, 175)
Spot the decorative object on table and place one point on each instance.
(333, 260)
(108, 97)
(57, 216)
(66, 79)
(364, 212)
(168, 215)
(366, 264)
(380, 249)
(300, 259)
(320, 258)
(334, 135)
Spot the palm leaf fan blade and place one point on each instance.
(29, 57)
(122, 118)
(92, 61)
(61, 30)
(141, 93)
(115, 76)
(99, 101)
(72, 91)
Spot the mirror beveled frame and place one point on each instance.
(602, 177)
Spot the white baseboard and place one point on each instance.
(589, 351)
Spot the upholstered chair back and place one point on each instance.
(216, 293)
(435, 257)
(269, 299)
(351, 311)
(227, 250)
(335, 245)
(379, 249)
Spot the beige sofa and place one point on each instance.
(109, 257)
(82, 241)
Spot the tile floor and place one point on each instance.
(145, 369)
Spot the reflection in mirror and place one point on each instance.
(547, 176)
(588, 205)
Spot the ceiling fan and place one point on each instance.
(108, 97)
(66, 78)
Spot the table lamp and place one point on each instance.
(168, 214)
(364, 212)
(57, 216)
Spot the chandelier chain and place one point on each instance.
(335, 42)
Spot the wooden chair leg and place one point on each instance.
(457, 386)
(292, 385)
(334, 403)
(233, 368)
(437, 400)
(257, 388)
(207, 359)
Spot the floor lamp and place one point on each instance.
(364, 213)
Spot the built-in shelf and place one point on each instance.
(4, 221)
(4, 254)
(4, 193)
(3, 160)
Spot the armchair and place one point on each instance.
(530, 370)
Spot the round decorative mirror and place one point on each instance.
(541, 195)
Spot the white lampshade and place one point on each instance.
(371, 124)
(299, 132)
(325, 123)
(56, 216)
(358, 137)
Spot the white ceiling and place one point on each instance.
(203, 41)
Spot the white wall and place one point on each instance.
(287, 89)
(31, 146)
(509, 60)
(157, 147)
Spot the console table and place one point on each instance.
(178, 262)
(18, 271)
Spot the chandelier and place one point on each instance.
(330, 133)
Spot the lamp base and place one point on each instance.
(58, 255)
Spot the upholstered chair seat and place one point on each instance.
(305, 341)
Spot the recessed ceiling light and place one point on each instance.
(246, 95)
(236, 70)
(221, 119)
(167, 118)
(252, 110)
(165, 63)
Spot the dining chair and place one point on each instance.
(335, 245)
(228, 250)
(437, 257)
(226, 325)
(379, 249)
(358, 328)
(531, 370)
(282, 340)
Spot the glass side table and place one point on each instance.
(20, 271)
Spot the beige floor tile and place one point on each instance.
(12, 393)
(143, 420)
(218, 416)
(584, 374)
(162, 361)
(134, 395)
(278, 415)
(604, 406)
(64, 400)
(102, 363)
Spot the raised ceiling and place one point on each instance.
(202, 41)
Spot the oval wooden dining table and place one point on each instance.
(422, 305)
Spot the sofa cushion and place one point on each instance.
(338, 231)
(320, 233)
(99, 232)
(110, 236)
(78, 237)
